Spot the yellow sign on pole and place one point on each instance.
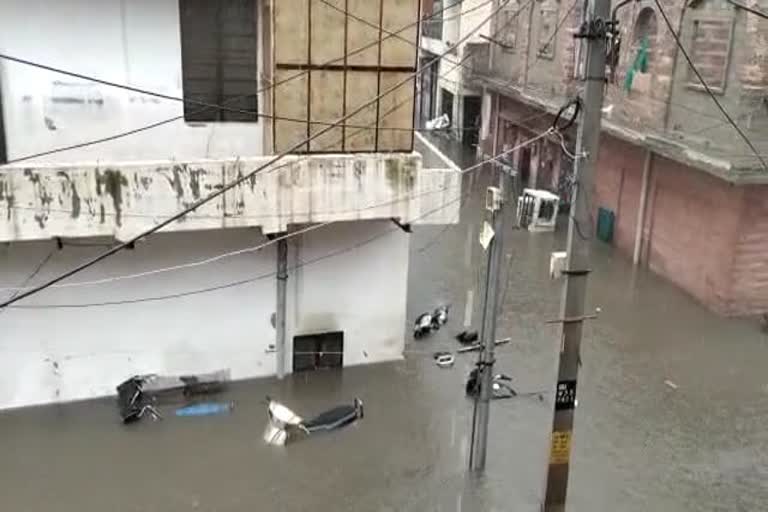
(561, 448)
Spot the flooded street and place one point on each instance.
(640, 444)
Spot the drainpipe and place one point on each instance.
(668, 109)
(282, 281)
(756, 12)
(641, 210)
(528, 45)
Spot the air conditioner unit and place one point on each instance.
(537, 210)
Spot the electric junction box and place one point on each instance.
(493, 199)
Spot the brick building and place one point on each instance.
(688, 197)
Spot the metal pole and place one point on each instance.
(282, 280)
(640, 224)
(488, 329)
(579, 229)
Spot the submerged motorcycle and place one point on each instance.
(285, 425)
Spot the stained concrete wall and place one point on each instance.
(60, 354)
(134, 42)
(122, 200)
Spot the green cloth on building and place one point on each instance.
(640, 64)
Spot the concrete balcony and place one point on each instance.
(121, 199)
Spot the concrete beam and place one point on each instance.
(43, 201)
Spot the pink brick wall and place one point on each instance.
(749, 273)
(703, 234)
(694, 224)
(618, 180)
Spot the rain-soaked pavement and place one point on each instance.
(639, 444)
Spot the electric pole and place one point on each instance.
(498, 201)
(596, 31)
(282, 278)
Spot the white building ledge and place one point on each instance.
(43, 201)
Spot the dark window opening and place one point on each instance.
(508, 27)
(710, 50)
(3, 152)
(219, 58)
(318, 351)
(432, 24)
(446, 107)
(471, 128)
(429, 81)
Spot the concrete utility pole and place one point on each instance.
(282, 280)
(595, 30)
(498, 201)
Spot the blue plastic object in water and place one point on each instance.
(206, 409)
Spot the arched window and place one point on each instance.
(642, 48)
(645, 31)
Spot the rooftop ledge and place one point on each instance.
(740, 171)
(121, 199)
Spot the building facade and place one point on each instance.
(202, 294)
(445, 88)
(686, 196)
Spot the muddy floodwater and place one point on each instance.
(672, 415)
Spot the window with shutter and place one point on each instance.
(547, 39)
(219, 58)
(710, 51)
(508, 27)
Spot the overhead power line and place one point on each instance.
(209, 106)
(754, 10)
(328, 146)
(181, 214)
(206, 105)
(372, 125)
(226, 285)
(247, 250)
(241, 282)
(706, 86)
(218, 257)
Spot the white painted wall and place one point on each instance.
(135, 42)
(361, 292)
(480, 11)
(460, 25)
(52, 355)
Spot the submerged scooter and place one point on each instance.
(285, 425)
(423, 326)
(139, 395)
(500, 385)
